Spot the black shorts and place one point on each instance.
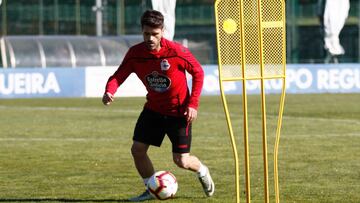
(151, 128)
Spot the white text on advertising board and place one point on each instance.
(28, 83)
(300, 80)
(334, 79)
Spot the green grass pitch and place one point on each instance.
(77, 150)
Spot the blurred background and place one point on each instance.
(48, 45)
(194, 28)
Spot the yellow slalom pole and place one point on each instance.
(277, 141)
(227, 115)
(281, 110)
(245, 107)
(249, 48)
(246, 143)
(233, 142)
(263, 104)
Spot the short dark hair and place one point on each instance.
(153, 19)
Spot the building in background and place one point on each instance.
(194, 23)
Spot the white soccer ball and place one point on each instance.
(162, 185)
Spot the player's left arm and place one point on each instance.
(194, 68)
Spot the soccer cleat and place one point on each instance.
(207, 183)
(143, 197)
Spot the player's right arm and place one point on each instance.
(124, 70)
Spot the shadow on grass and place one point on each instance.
(79, 200)
(61, 200)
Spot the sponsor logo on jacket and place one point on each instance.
(158, 82)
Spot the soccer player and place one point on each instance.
(170, 108)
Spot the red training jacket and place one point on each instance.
(163, 74)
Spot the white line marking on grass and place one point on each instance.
(69, 139)
(325, 135)
(65, 139)
(336, 120)
(43, 108)
(39, 108)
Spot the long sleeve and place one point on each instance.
(119, 76)
(194, 68)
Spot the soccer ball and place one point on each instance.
(162, 185)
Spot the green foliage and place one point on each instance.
(79, 150)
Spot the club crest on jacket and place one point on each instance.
(164, 65)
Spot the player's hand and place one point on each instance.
(107, 98)
(191, 114)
